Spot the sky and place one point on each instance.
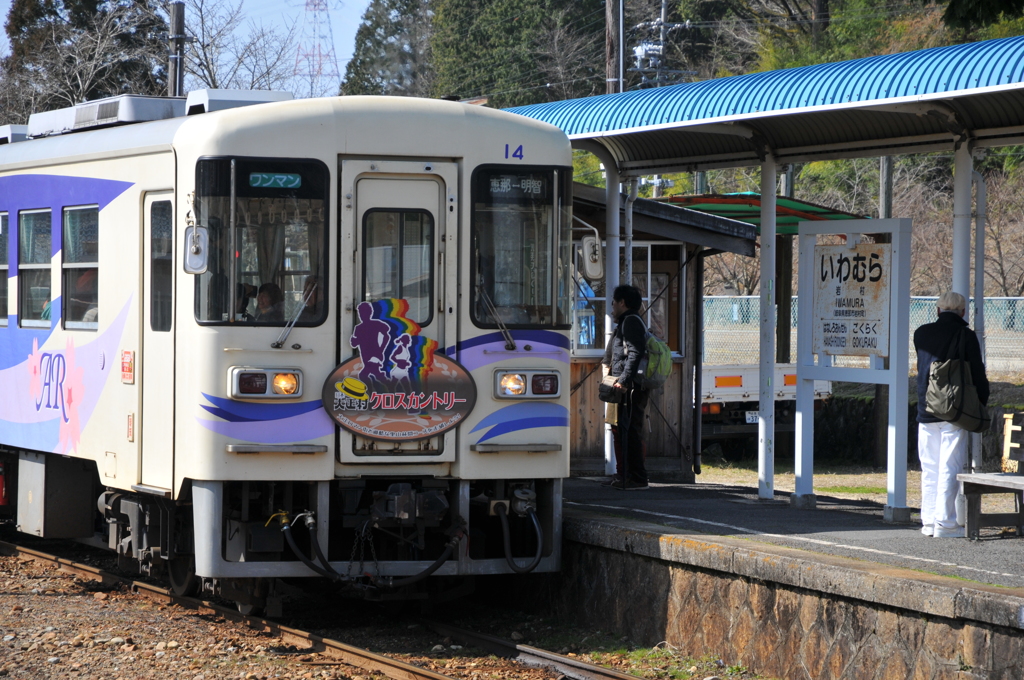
(345, 18)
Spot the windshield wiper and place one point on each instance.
(279, 343)
(510, 343)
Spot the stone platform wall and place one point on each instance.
(783, 615)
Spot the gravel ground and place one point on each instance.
(56, 625)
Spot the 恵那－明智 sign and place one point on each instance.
(851, 299)
(398, 388)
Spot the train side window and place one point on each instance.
(161, 258)
(397, 260)
(81, 268)
(3, 269)
(34, 254)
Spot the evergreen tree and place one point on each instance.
(392, 50)
(510, 49)
(974, 13)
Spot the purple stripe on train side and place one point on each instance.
(304, 427)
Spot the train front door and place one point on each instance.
(156, 428)
(402, 217)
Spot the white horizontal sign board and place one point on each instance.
(851, 299)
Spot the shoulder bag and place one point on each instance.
(951, 395)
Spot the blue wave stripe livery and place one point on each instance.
(240, 411)
(516, 425)
(16, 342)
(523, 416)
(549, 337)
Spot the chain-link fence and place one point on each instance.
(731, 334)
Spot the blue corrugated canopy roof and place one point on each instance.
(896, 103)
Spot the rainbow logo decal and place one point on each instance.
(398, 388)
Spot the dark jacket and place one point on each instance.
(937, 341)
(629, 342)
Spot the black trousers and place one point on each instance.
(630, 451)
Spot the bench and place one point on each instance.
(978, 484)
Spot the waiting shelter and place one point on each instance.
(958, 98)
(666, 267)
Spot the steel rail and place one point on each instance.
(339, 651)
(531, 656)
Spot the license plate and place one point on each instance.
(752, 417)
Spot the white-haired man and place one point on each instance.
(942, 446)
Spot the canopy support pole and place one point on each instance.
(611, 265)
(962, 176)
(766, 409)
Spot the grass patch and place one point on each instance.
(854, 489)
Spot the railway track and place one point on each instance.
(531, 656)
(336, 651)
(333, 649)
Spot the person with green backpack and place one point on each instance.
(941, 438)
(628, 347)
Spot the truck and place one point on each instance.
(729, 406)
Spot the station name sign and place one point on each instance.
(851, 299)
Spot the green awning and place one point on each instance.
(746, 207)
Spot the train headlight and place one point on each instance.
(512, 385)
(527, 384)
(286, 383)
(248, 382)
(252, 383)
(544, 383)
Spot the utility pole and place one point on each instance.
(652, 51)
(176, 58)
(612, 47)
(820, 19)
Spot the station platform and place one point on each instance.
(833, 592)
(840, 528)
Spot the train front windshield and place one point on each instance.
(521, 244)
(279, 209)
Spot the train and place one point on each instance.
(246, 338)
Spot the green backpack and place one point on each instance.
(656, 365)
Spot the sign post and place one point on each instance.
(860, 306)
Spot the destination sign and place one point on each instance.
(505, 186)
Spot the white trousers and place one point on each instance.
(942, 448)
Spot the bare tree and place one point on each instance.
(102, 58)
(221, 57)
(569, 59)
(18, 99)
(732, 274)
(1004, 245)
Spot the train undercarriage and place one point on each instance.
(376, 538)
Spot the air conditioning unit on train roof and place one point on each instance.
(208, 101)
(120, 110)
(13, 133)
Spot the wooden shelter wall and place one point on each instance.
(670, 411)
